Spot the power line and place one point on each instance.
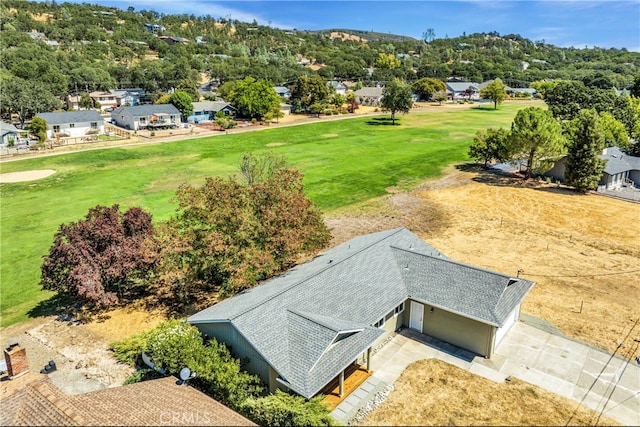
(582, 275)
(595, 380)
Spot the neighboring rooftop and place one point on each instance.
(66, 117)
(149, 403)
(619, 161)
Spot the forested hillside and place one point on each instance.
(52, 49)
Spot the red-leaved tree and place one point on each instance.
(105, 256)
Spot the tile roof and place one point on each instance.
(618, 161)
(320, 313)
(66, 117)
(156, 402)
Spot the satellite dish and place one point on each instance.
(186, 374)
(147, 360)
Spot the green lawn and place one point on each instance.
(344, 162)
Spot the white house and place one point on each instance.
(73, 124)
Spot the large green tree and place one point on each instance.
(615, 134)
(253, 98)
(490, 145)
(183, 102)
(228, 235)
(586, 141)
(397, 97)
(26, 98)
(495, 91)
(537, 137)
(426, 87)
(309, 90)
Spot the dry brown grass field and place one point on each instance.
(581, 250)
(441, 394)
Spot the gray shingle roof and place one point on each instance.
(372, 92)
(314, 320)
(210, 106)
(66, 117)
(146, 110)
(6, 128)
(617, 161)
(461, 86)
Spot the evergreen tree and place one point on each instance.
(584, 166)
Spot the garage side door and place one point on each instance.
(502, 332)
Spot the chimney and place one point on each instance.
(16, 359)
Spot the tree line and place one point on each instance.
(579, 123)
(104, 48)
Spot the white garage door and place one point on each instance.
(501, 332)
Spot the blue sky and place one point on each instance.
(578, 23)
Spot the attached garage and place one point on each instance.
(461, 331)
(511, 320)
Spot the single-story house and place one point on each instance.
(73, 123)
(282, 91)
(148, 403)
(463, 90)
(9, 133)
(621, 170)
(302, 329)
(207, 110)
(521, 91)
(337, 87)
(369, 96)
(170, 40)
(146, 116)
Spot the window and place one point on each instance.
(399, 309)
(72, 125)
(143, 120)
(94, 125)
(56, 128)
(379, 323)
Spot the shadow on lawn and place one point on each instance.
(383, 121)
(59, 305)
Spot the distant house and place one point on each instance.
(338, 87)
(73, 123)
(106, 99)
(207, 110)
(521, 91)
(173, 40)
(299, 331)
(282, 92)
(462, 90)
(149, 403)
(621, 170)
(139, 117)
(155, 28)
(369, 96)
(73, 102)
(130, 96)
(9, 133)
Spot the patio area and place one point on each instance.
(354, 376)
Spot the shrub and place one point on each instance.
(142, 375)
(282, 409)
(174, 344)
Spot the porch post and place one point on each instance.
(368, 359)
(341, 393)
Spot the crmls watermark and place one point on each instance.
(185, 417)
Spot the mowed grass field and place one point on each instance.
(344, 162)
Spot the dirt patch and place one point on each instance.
(276, 144)
(25, 176)
(443, 394)
(329, 135)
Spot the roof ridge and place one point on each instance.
(317, 318)
(462, 264)
(309, 277)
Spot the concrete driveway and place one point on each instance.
(600, 381)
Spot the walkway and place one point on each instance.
(604, 383)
